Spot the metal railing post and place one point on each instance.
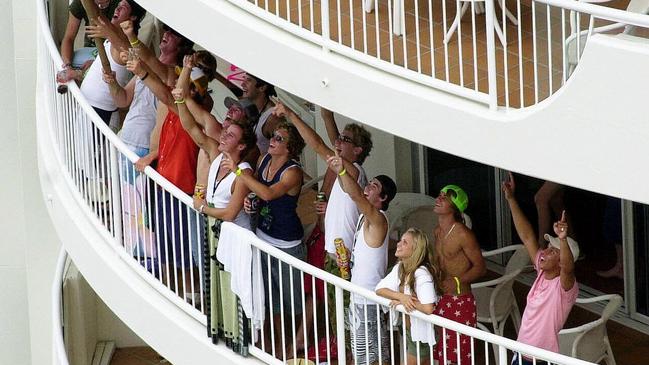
(340, 325)
(115, 198)
(324, 17)
(491, 53)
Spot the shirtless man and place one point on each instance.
(461, 263)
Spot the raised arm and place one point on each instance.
(330, 124)
(378, 224)
(566, 260)
(103, 28)
(153, 82)
(145, 54)
(122, 96)
(311, 138)
(523, 227)
(210, 145)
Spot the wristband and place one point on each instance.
(145, 76)
(181, 101)
(457, 284)
(238, 171)
(135, 43)
(343, 172)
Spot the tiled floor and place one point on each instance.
(463, 63)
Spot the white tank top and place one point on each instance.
(140, 119)
(262, 141)
(219, 192)
(369, 264)
(342, 214)
(95, 89)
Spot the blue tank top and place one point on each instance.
(278, 218)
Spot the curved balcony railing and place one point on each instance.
(511, 56)
(131, 210)
(59, 354)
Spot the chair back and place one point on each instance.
(519, 260)
(592, 343)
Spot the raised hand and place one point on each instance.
(178, 93)
(188, 61)
(127, 28)
(227, 162)
(561, 227)
(98, 30)
(135, 66)
(509, 187)
(280, 109)
(335, 163)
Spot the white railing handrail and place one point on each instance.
(601, 12)
(58, 345)
(321, 41)
(103, 128)
(372, 296)
(263, 246)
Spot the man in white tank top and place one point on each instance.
(259, 92)
(369, 259)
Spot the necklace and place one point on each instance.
(449, 231)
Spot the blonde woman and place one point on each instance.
(413, 283)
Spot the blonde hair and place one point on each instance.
(423, 255)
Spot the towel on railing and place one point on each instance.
(235, 252)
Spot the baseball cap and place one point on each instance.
(248, 107)
(460, 200)
(556, 243)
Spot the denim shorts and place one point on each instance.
(127, 168)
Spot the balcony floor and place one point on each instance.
(463, 63)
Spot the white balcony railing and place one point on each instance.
(532, 55)
(59, 355)
(134, 209)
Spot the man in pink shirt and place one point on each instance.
(555, 289)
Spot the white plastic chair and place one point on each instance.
(589, 341)
(573, 53)
(495, 298)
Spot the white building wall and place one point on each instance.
(28, 246)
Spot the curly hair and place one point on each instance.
(295, 143)
(362, 138)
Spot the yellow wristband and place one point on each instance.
(343, 172)
(181, 101)
(457, 284)
(135, 42)
(238, 172)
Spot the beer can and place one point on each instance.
(321, 197)
(199, 191)
(343, 264)
(254, 202)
